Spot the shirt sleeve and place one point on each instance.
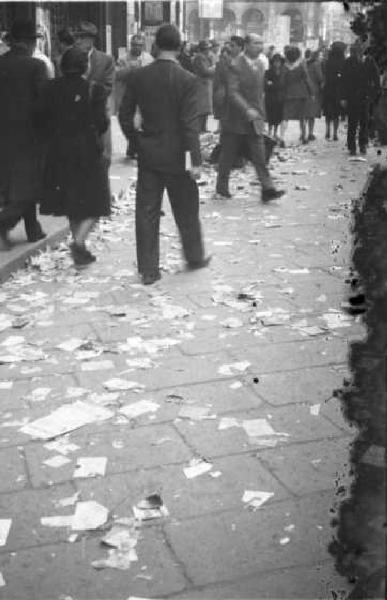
(128, 107)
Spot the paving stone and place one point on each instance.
(313, 385)
(64, 570)
(26, 508)
(137, 451)
(293, 355)
(185, 498)
(298, 423)
(317, 581)
(317, 464)
(13, 472)
(240, 543)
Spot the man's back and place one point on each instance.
(21, 80)
(166, 96)
(101, 70)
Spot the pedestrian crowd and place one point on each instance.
(55, 145)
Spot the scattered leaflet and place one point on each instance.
(90, 466)
(197, 467)
(66, 418)
(139, 408)
(5, 526)
(56, 461)
(117, 384)
(232, 369)
(89, 515)
(255, 499)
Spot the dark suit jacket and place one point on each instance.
(101, 70)
(22, 80)
(166, 96)
(245, 89)
(202, 68)
(360, 81)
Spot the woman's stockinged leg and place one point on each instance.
(82, 230)
(327, 128)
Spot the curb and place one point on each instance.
(18, 261)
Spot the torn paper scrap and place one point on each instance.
(62, 446)
(90, 466)
(68, 501)
(56, 461)
(139, 408)
(116, 560)
(66, 418)
(2, 580)
(39, 394)
(255, 499)
(5, 526)
(195, 413)
(97, 365)
(230, 369)
(89, 515)
(197, 467)
(315, 409)
(232, 323)
(70, 345)
(58, 521)
(117, 384)
(257, 427)
(227, 422)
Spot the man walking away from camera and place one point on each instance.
(22, 79)
(166, 96)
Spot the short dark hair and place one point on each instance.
(238, 40)
(168, 37)
(74, 61)
(65, 37)
(292, 53)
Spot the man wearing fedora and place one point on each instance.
(205, 73)
(22, 79)
(244, 123)
(165, 94)
(101, 70)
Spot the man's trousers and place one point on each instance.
(358, 115)
(184, 199)
(231, 146)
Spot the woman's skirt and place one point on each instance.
(295, 109)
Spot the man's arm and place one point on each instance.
(108, 76)
(128, 107)
(234, 93)
(189, 120)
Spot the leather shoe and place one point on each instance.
(271, 194)
(201, 264)
(223, 193)
(149, 278)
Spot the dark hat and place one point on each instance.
(204, 45)
(23, 29)
(85, 29)
(73, 61)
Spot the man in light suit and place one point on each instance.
(101, 70)
(243, 122)
(166, 96)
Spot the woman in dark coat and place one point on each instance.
(76, 178)
(274, 93)
(313, 107)
(333, 72)
(297, 89)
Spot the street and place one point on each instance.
(208, 398)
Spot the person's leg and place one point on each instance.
(363, 127)
(283, 128)
(327, 128)
(184, 198)
(256, 148)
(230, 146)
(303, 137)
(149, 195)
(33, 228)
(351, 131)
(335, 128)
(311, 129)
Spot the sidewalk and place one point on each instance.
(237, 365)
